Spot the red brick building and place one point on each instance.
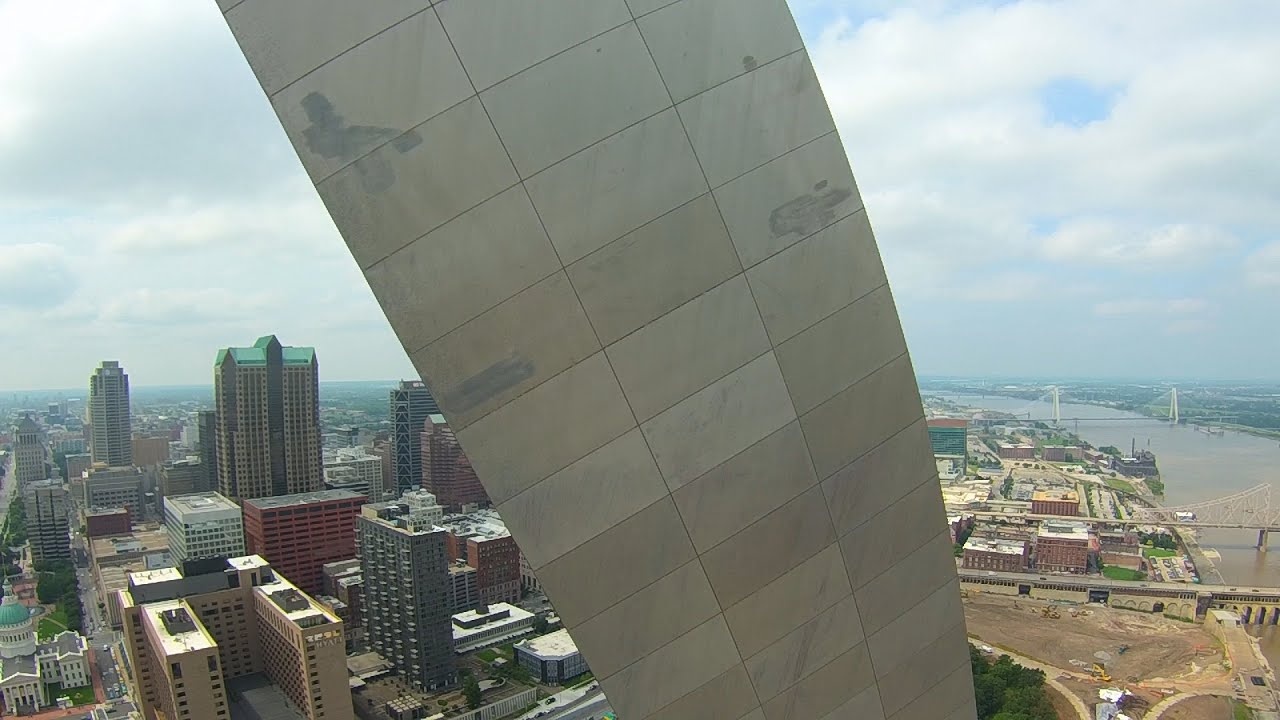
(446, 471)
(1017, 452)
(298, 534)
(998, 555)
(1063, 547)
(1055, 502)
(109, 521)
(482, 541)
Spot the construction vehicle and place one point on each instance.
(1100, 673)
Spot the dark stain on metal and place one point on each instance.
(484, 385)
(809, 212)
(749, 63)
(329, 136)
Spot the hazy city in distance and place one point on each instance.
(672, 463)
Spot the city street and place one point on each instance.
(105, 642)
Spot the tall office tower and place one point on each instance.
(268, 399)
(204, 525)
(47, 505)
(207, 448)
(230, 639)
(29, 453)
(110, 435)
(446, 470)
(298, 534)
(406, 594)
(411, 403)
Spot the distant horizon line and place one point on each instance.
(1134, 379)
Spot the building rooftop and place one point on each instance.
(248, 562)
(199, 503)
(479, 524)
(175, 625)
(1064, 530)
(307, 498)
(335, 456)
(948, 422)
(300, 608)
(135, 543)
(1004, 547)
(147, 577)
(496, 614)
(1056, 495)
(66, 642)
(552, 645)
(257, 355)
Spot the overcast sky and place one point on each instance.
(1058, 188)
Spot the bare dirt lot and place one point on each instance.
(1157, 647)
(1200, 708)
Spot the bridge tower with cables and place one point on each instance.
(1173, 407)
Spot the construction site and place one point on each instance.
(1087, 648)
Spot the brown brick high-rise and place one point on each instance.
(446, 471)
(268, 405)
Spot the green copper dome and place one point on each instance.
(12, 612)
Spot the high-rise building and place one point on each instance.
(298, 534)
(29, 453)
(115, 487)
(949, 437)
(149, 450)
(204, 525)
(207, 447)
(446, 471)
(47, 505)
(268, 420)
(411, 403)
(110, 435)
(406, 596)
(229, 639)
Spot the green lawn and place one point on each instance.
(1159, 552)
(48, 627)
(1119, 573)
(79, 696)
(59, 616)
(1118, 484)
(1240, 711)
(488, 655)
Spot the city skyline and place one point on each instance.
(1075, 190)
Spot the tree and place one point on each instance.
(540, 624)
(1005, 690)
(471, 690)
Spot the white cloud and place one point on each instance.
(154, 308)
(943, 102)
(1148, 307)
(1091, 241)
(34, 275)
(1262, 268)
(288, 224)
(138, 152)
